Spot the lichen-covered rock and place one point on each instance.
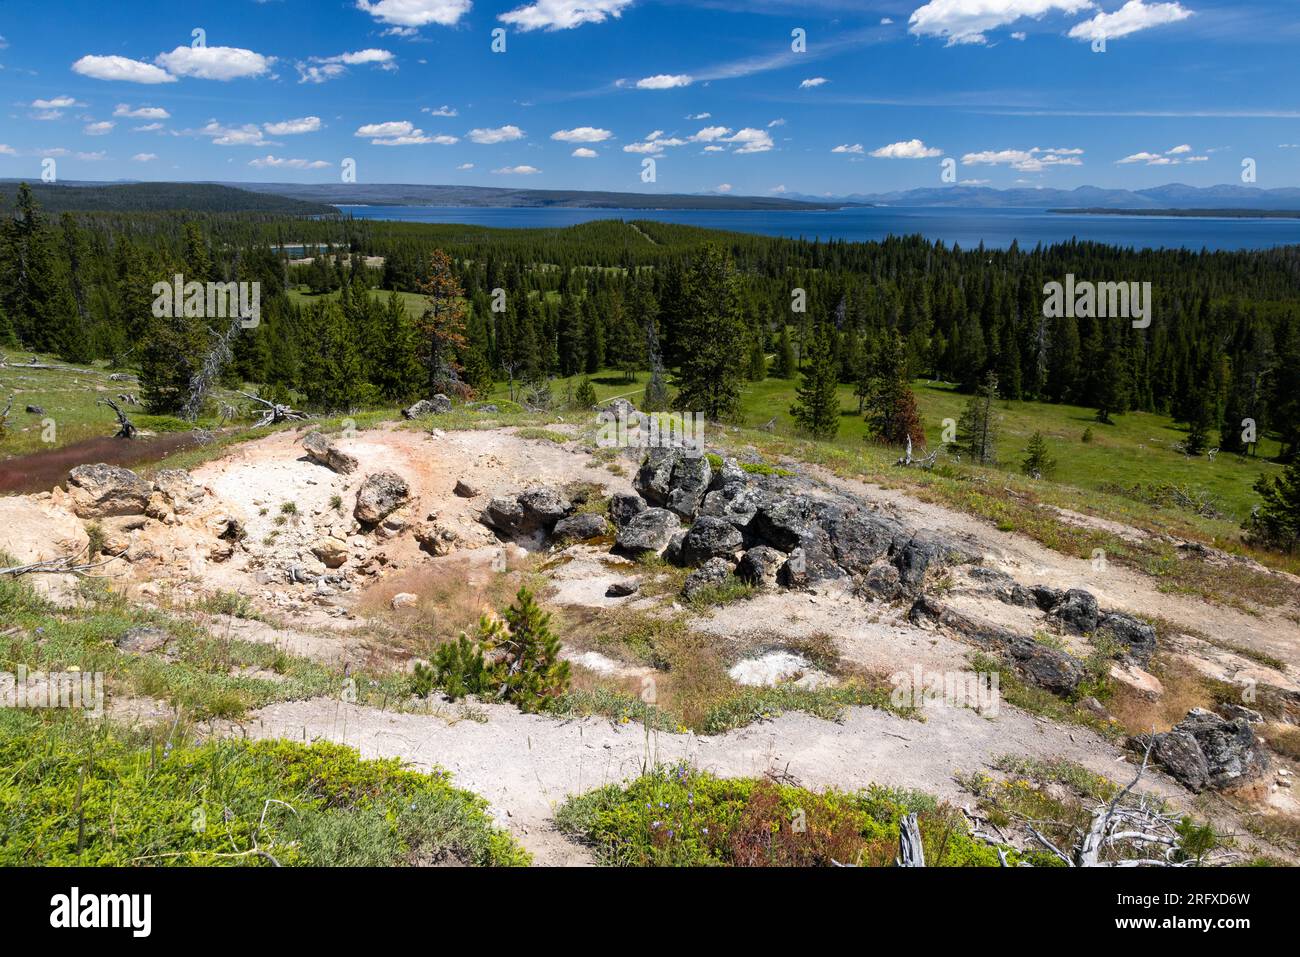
(1137, 637)
(1078, 611)
(1206, 750)
(438, 405)
(883, 581)
(544, 506)
(676, 479)
(712, 574)
(649, 531)
(796, 523)
(1050, 668)
(380, 495)
(710, 538)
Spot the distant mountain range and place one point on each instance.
(1172, 196)
(320, 198)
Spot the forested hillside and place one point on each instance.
(709, 310)
(153, 197)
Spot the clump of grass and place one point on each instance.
(679, 816)
(539, 434)
(74, 794)
(723, 593)
(289, 508)
(336, 502)
(229, 603)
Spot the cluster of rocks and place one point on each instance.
(769, 530)
(120, 503)
(541, 512)
(1074, 610)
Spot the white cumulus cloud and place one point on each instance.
(141, 112)
(907, 149)
(813, 82)
(214, 63)
(517, 170)
(1130, 18)
(582, 134)
(416, 13)
(663, 81)
(498, 134)
(966, 21)
(122, 69)
(562, 14)
(583, 153)
(306, 124)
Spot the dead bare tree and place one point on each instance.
(275, 413)
(910, 851)
(206, 375)
(64, 565)
(4, 417)
(125, 427)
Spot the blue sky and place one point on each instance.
(716, 93)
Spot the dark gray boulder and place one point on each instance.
(1137, 637)
(674, 479)
(710, 538)
(713, 573)
(623, 506)
(584, 525)
(649, 531)
(883, 582)
(1207, 750)
(1050, 668)
(796, 522)
(544, 506)
(859, 538)
(761, 566)
(1077, 610)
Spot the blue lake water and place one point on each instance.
(995, 228)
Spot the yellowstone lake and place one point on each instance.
(995, 228)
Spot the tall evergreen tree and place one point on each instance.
(979, 425)
(817, 401)
(712, 338)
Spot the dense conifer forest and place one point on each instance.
(713, 309)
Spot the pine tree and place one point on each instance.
(891, 413)
(757, 370)
(334, 374)
(1112, 387)
(1275, 522)
(817, 400)
(1038, 462)
(712, 338)
(441, 329)
(655, 398)
(784, 355)
(977, 429)
(585, 397)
